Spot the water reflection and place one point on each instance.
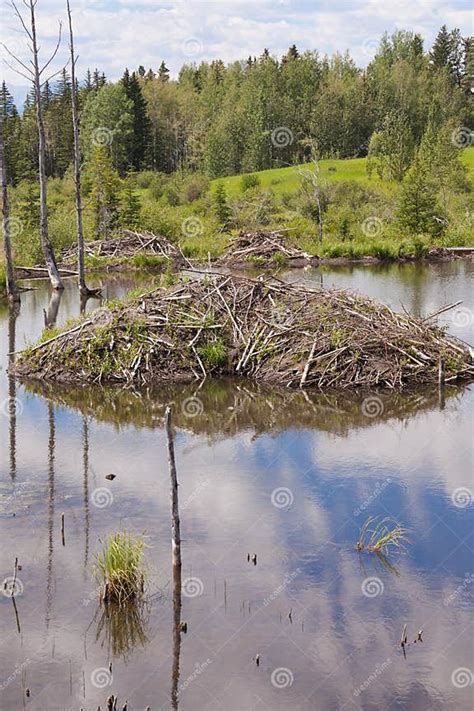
(51, 512)
(14, 310)
(236, 445)
(85, 475)
(177, 606)
(51, 313)
(120, 629)
(228, 406)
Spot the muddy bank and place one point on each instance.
(266, 330)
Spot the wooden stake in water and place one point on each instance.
(175, 526)
(404, 639)
(62, 530)
(15, 570)
(441, 372)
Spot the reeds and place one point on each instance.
(380, 536)
(120, 568)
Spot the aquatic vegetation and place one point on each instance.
(382, 536)
(120, 568)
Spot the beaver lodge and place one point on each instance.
(128, 244)
(221, 325)
(263, 249)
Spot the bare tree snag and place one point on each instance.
(77, 164)
(34, 74)
(12, 291)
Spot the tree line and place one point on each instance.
(250, 115)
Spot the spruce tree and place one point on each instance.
(221, 207)
(163, 72)
(130, 208)
(441, 50)
(140, 138)
(11, 134)
(467, 81)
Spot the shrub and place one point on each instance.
(249, 181)
(350, 194)
(195, 187)
(171, 195)
(157, 185)
(161, 220)
(145, 178)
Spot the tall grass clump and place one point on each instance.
(120, 568)
(379, 536)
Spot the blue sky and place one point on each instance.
(112, 34)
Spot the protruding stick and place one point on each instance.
(403, 640)
(14, 576)
(175, 527)
(441, 372)
(63, 539)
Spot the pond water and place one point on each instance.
(290, 477)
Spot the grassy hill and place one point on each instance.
(288, 179)
(360, 213)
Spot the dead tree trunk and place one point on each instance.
(12, 291)
(44, 230)
(77, 164)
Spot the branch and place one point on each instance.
(18, 14)
(29, 77)
(55, 74)
(55, 51)
(16, 58)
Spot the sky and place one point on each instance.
(112, 34)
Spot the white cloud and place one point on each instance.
(118, 33)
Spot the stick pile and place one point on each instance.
(261, 246)
(127, 245)
(264, 329)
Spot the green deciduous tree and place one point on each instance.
(104, 193)
(107, 121)
(391, 149)
(418, 210)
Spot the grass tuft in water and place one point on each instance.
(120, 568)
(379, 536)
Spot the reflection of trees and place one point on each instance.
(51, 314)
(85, 460)
(226, 407)
(121, 628)
(177, 604)
(51, 448)
(14, 310)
